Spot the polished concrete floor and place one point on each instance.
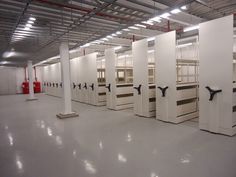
(104, 143)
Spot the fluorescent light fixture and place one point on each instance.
(150, 39)
(184, 45)
(28, 25)
(27, 28)
(105, 39)
(109, 36)
(114, 34)
(21, 33)
(94, 42)
(32, 18)
(8, 54)
(99, 41)
(118, 32)
(191, 28)
(118, 47)
(18, 36)
(139, 25)
(184, 7)
(156, 19)
(149, 22)
(3, 62)
(133, 27)
(126, 29)
(30, 22)
(151, 51)
(165, 15)
(86, 45)
(175, 11)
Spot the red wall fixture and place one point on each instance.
(25, 87)
(37, 87)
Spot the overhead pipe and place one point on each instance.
(76, 7)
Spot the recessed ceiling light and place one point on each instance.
(118, 32)
(126, 29)
(28, 25)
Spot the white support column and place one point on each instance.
(31, 84)
(65, 73)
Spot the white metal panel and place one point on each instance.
(73, 73)
(124, 90)
(110, 58)
(20, 78)
(186, 108)
(12, 81)
(92, 74)
(84, 79)
(79, 79)
(216, 71)
(186, 94)
(166, 75)
(59, 80)
(125, 101)
(140, 71)
(7, 81)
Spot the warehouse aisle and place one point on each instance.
(104, 143)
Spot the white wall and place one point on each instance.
(12, 78)
(20, 78)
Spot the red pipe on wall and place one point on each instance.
(168, 25)
(25, 75)
(133, 38)
(35, 74)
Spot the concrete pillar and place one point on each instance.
(31, 84)
(66, 83)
